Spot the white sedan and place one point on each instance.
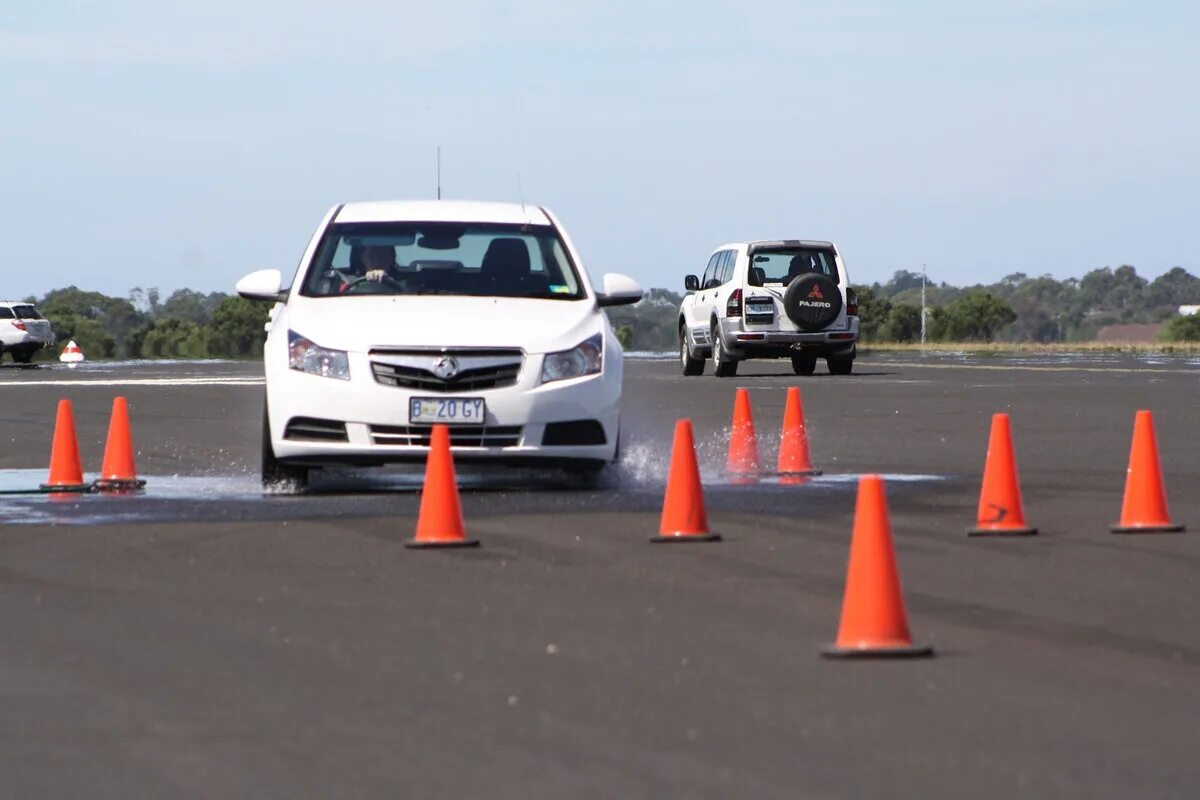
(406, 314)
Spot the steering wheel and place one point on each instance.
(362, 279)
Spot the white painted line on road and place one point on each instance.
(1028, 368)
(140, 382)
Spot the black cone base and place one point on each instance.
(1172, 528)
(687, 537)
(910, 651)
(413, 544)
(1002, 531)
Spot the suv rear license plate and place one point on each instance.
(447, 410)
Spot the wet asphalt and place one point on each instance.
(206, 640)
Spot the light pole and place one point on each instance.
(922, 305)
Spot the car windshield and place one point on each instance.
(416, 258)
(779, 267)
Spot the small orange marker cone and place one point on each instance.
(440, 522)
(683, 517)
(118, 472)
(874, 624)
(743, 442)
(794, 462)
(66, 474)
(1145, 507)
(1000, 511)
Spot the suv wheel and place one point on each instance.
(724, 366)
(278, 475)
(23, 355)
(691, 365)
(805, 364)
(840, 366)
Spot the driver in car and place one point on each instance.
(380, 260)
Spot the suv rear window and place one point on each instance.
(6, 312)
(26, 312)
(779, 267)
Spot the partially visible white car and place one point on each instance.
(483, 318)
(23, 331)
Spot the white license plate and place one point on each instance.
(447, 410)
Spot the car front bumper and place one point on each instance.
(377, 427)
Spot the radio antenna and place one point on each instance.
(520, 194)
(439, 172)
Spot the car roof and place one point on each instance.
(759, 244)
(15, 303)
(442, 211)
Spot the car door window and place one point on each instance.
(709, 280)
(727, 266)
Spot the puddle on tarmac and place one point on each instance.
(239, 497)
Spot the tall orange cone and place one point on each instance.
(440, 522)
(118, 472)
(794, 463)
(1000, 512)
(743, 442)
(683, 517)
(874, 624)
(66, 474)
(1145, 507)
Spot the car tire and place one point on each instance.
(278, 475)
(724, 365)
(812, 301)
(687, 359)
(804, 364)
(840, 366)
(23, 355)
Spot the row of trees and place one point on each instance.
(186, 325)
(1018, 308)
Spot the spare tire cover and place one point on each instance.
(812, 301)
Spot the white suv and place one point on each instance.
(23, 331)
(769, 299)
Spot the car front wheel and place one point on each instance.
(278, 475)
(804, 364)
(724, 365)
(840, 366)
(691, 365)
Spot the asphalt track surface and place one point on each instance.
(206, 641)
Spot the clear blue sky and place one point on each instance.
(182, 145)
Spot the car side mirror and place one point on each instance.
(619, 290)
(266, 284)
(691, 283)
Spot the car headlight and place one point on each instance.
(585, 358)
(305, 356)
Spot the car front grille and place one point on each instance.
(460, 435)
(447, 370)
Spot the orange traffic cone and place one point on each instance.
(1145, 506)
(118, 472)
(683, 517)
(1000, 511)
(794, 463)
(440, 522)
(743, 443)
(66, 474)
(873, 624)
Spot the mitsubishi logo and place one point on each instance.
(446, 367)
(816, 292)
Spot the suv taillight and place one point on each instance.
(16, 323)
(734, 307)
(851, 303)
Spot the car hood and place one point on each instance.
(362, 323)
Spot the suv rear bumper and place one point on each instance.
(783, 344)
